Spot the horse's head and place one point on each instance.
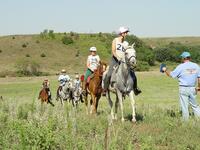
(100, 69)
(130, 55)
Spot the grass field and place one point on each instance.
(25, 124)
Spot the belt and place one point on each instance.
(186, 86)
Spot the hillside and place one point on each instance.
(158, 42)
(52, 55)
(56, 55)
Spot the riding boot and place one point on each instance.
(84, 88)
(136, 90)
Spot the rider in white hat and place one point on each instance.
(63, 78)
(92, 64)
(119, 46)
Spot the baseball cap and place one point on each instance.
(185, 55)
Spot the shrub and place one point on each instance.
(142, 66)
(27, 68)
(42, 55)
(44, 34)
(0, 51)
(24, 45)
(27, 55)
(51, 34)
(77, 53)
(67, 40)
(13, 37)
(37, 41)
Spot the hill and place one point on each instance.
(51, 54)
(159, 42)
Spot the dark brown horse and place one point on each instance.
(94, 89)
(43, 95)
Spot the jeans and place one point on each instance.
(187, 96)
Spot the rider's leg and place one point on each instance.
(87, 74)
(106, 81)
(135, 88)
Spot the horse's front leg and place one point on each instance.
(86, 103)
(93, 106)
(110, 103)
(119, 95)
(133, 105)
(116, 106)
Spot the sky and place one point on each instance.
(145, 18)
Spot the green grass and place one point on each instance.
(25, 124)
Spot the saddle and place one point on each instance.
(90, 77)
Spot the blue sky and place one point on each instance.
(145, 18)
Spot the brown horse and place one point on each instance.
(94, 88)
(43, 95)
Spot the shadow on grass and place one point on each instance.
(139, 117)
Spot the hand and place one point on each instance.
(164, 69)
(197, 89)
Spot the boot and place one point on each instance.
(137, 91)
(84, 88)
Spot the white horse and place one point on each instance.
(64, 93)
(122, 83)
(76, 94)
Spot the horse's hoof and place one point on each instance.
(133, 120)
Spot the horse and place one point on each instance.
(43, 95)
(122, 83)
(76, 95)
(64, 92)
(94, 89)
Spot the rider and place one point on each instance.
(77, 81)
(63, 78)
(118, 52)
(45, 85)
(92, 64)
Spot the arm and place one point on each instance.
(114, 48)
(166, 71)
(88, 63)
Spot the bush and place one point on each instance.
(0, 51)
(27, 68)
(42, 55)
(24, 45)
(27, 55)
(37, 41)
(142, 66)
(67, 40)
(51, 34)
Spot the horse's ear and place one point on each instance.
(133, 45)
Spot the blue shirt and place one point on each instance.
(187, 74)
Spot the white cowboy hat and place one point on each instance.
(77, 76)
(123, 30)
(63, 71)
(93, 49)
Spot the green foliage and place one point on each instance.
(43, 55)
(47, 34)
(142, 66)
(24, 45)
(28, 68)
(27, 55)
(67, 40)
(51, 34)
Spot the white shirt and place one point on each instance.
(93, 62)
(120, 50)
(63, 79)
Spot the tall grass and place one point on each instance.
(26, 124)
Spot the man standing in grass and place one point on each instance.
(187, 73)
